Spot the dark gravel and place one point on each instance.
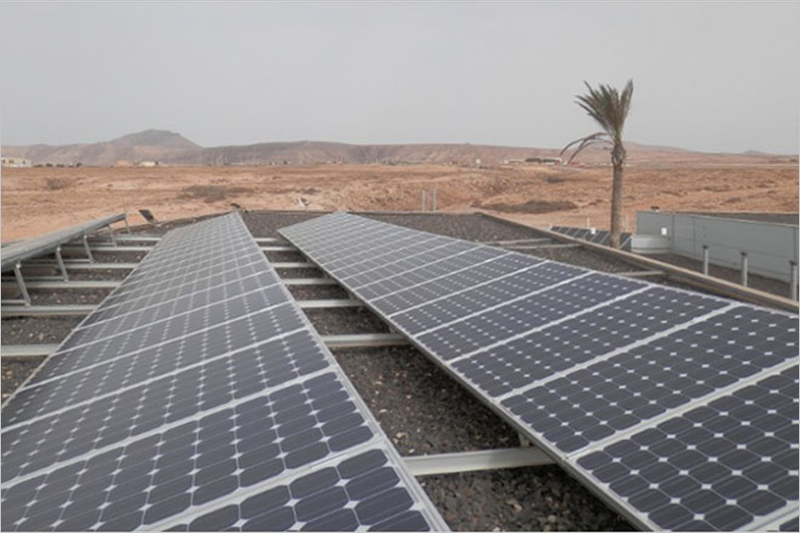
(580, 257)
(322, 292)
(286, 257)
(267, 223)
(311, 272)
(15, 371)
(524, 499)
(68, 296)
(467, 226)
(99, 275)
(37, 330)
(419, 406)
(345, 320)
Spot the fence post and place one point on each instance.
(744, 269)
(793, 283)
(705, 260)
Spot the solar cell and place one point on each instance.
(577, 360)
(206, 392)
(726, 465)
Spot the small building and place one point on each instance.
(544, 160)
(147, 164)
(15, 162)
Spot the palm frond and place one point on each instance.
(582, 139)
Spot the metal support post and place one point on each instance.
(61, 264)
(111, 234)
(127, 226)
(87, 249)
(21, 283)
(793, 283)
(744, 269)
(423, 195)
(433, 200)
(705, 260)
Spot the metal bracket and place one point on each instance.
(454, 463)
(86, 248)
(61, 264)
(46, 310)
(21, 283)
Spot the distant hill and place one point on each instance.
(171, 148)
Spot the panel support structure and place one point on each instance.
(454, 463)
(46, 310)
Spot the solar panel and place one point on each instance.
(582, 361)
(194, 405)
(47, 243)
(598, 237)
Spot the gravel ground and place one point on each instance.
(311, 272)
(420, 407)
(754, 281)
(37, 330)
(286, 257)
(539, 498)
(15, 372)
(582, 258)
(267, 223)
(99, 275)
(339, 321)
(322, 292)
(67, 296)
(467, 226)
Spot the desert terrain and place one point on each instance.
(37, 200)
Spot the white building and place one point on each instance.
(17, 162)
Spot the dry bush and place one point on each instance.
(531, 206)
(212, 193)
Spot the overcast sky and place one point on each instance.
(715, 76)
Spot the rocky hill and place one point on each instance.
(171, 148)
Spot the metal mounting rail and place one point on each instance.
(294, 265)
(73, 310)
(308, 281)
(328, 304)
(542, 246)
(105, 248)
(278, 248)
(519, 241)
(454, 463)
(20, 351)
(63, 285)
(642, 273)
(364, 340)
(46, 310)
(74, 265)
(361, 340)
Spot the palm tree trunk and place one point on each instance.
(616, 207)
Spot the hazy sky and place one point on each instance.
(715, 76)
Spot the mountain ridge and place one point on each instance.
(167, 147)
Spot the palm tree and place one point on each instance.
(609, 109)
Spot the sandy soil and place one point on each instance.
(38, 200)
